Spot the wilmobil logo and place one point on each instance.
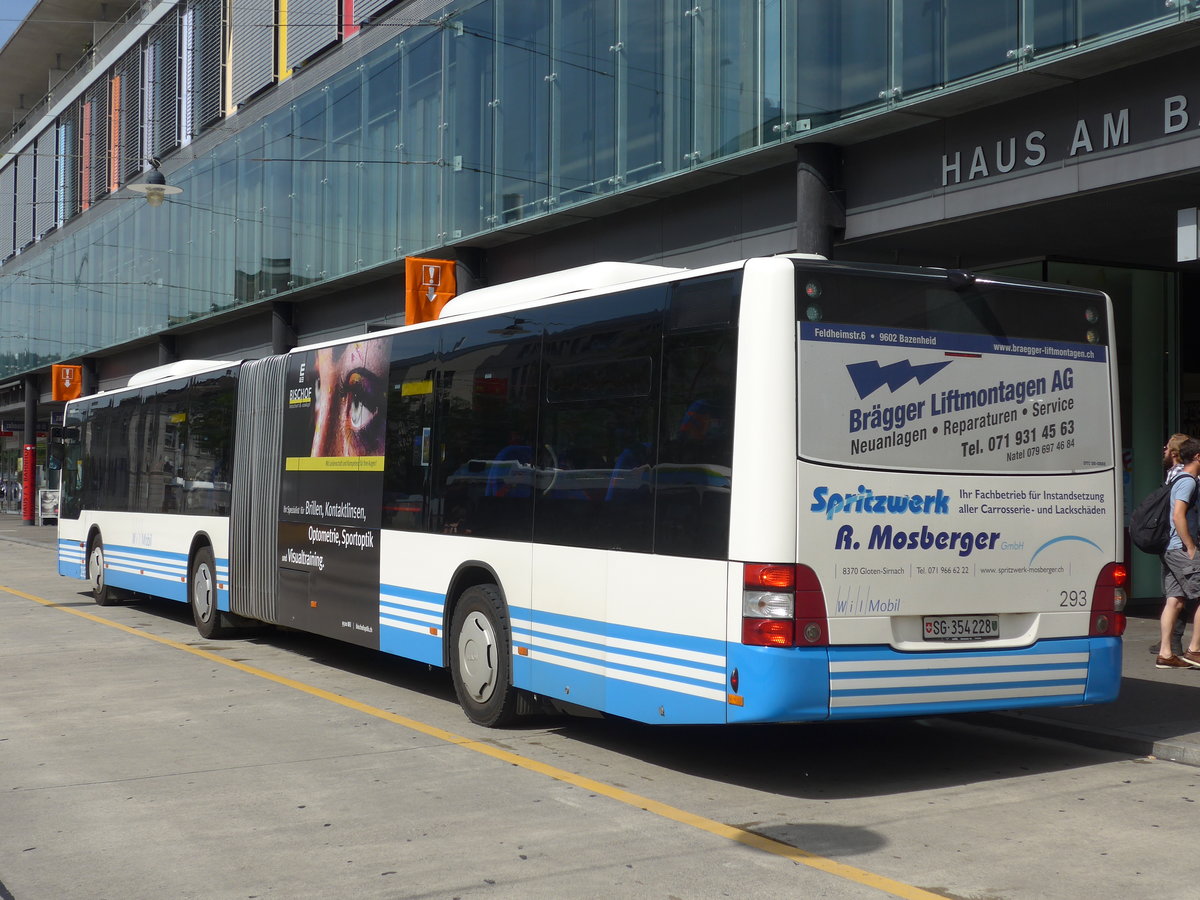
(889, 536)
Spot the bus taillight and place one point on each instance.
(782, 606)
(1108, 602)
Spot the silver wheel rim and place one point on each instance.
(96, 569)
(203, 594)
(478, 657)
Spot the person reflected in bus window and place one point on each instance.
(348, 406)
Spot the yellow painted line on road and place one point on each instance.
(720, 829)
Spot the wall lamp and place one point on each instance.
(154, 185)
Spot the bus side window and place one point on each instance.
(486, 391)
(598, 421)
(409, 449)
(696, 456)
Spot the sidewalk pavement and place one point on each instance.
(1156, 714)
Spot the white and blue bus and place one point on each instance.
(778, 490)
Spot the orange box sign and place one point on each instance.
(68, 382)
(428, 285)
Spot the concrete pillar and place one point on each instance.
(820, 211)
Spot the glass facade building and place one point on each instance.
(316, 140)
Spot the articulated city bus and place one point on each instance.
(777, 490)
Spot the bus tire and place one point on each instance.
(481, 657)
(202, 594)
(101, 592)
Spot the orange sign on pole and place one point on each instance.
(68, 382)
(428, 285)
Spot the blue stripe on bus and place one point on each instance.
(956, 706)
(402, 632)
(1075, 681)
(966, 670)
(605, 661)
(640, 702)
(408, 593)
(668, 641)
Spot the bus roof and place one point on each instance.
(554, 284)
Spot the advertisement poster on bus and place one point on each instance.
(1027, 424)
(334, 432)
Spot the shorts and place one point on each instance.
(1181, 574)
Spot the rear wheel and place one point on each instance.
(481, 657)
(202, 594)
(101, 592)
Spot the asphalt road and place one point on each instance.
(139, 761)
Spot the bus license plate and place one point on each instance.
(960, 628)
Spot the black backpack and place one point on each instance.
(1150, 521)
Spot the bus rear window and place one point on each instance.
(907, 372)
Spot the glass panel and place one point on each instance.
(979, 36)
(380, 214)
(727, 107)
(643, 87)
(420, 139)
(772, 74)
(343, 173)
(841, 53)
(1102, 17)
(308, 191)
(584, 96)
(522, 120)
(1054, 26)
(470, 92)
(921, 40)
(224, 200)
(277, 202)
(248, 263)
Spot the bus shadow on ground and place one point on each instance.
(839, 760)
(817, 761)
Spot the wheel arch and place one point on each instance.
(469, 574)
(94, 535)
(199, 539)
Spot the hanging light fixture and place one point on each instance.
(154, 185)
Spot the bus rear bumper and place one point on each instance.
(870, 682)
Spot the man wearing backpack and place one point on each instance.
(1181, 564)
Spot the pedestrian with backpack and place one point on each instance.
(1181, 563)
(1174, 467)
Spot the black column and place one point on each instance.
(820, 212)
(91, 378)
(283, 331)
(166, 350)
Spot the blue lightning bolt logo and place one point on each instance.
(868, 377)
